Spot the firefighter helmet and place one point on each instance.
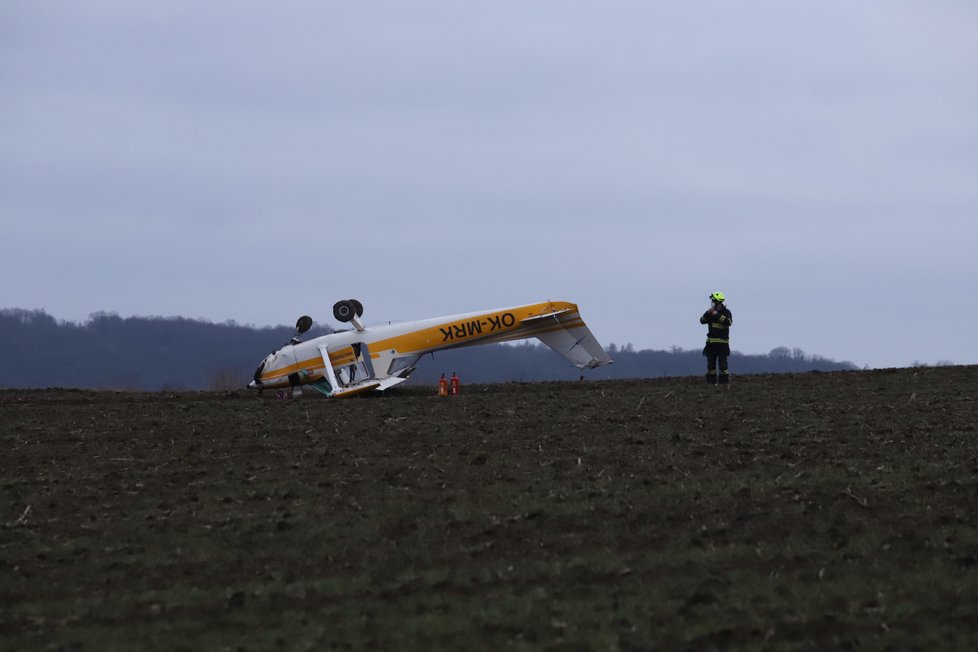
(718, 297)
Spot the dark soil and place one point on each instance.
(817, 511)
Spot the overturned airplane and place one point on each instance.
(363, 359)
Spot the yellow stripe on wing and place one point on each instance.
(478, 329)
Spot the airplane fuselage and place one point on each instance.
(378, 357)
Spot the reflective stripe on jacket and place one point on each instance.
(719, 325)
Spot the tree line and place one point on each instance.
(175, 353)
(531, 362)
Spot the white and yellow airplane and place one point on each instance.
(349, 362)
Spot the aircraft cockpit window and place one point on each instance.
(400, 364)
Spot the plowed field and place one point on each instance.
(815, 511)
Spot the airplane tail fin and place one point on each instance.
(567, 334)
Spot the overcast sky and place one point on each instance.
(253, 161)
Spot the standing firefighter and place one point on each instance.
(717, 348)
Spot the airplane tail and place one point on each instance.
(567, 334)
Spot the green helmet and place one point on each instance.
(718, 297)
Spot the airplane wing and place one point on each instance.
(566, 333)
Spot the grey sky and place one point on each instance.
(817, 162)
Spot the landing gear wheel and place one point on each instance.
(303, 324)
(344, 311)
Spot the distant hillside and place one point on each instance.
(153, 353)
(139, 353)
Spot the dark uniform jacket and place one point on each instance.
(718, 335)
